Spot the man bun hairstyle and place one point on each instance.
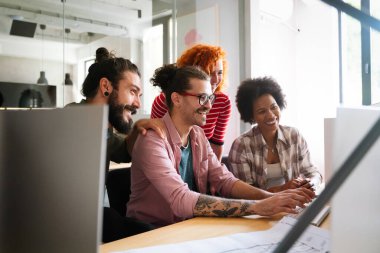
(109, 66)
(171, 78)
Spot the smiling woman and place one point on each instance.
(270, 156)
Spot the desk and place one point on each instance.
(196, 228)
(114, 165)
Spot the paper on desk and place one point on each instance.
(313, 240)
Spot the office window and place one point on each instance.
(375, 59)
(360, 65)
(351, 61)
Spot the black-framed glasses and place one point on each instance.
(203, 98)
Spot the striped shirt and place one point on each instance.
(248, 152)
(217, 119)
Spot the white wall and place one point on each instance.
(301, 53)
(26, 70)
(229, 34)
(217, 23)
(22, 59)
(317, 69)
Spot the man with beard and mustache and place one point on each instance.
(173, 182)
(116, 81)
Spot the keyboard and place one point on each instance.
(317, 219)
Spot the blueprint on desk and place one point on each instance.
(313, 240)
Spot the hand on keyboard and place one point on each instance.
(298, 211)
(295, 183)
(317, 219)
(305, 195)
(284, 201)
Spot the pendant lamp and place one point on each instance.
(42, 79)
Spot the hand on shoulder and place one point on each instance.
(156, 125)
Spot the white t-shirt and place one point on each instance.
(275, 176)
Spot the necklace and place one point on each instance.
(272, 149)
(274, 142)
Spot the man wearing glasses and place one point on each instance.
(171, 178)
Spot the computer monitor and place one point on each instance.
(329, 125)
(356, 205)
(52, 179)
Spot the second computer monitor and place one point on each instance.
(52, 179)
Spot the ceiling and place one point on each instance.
(85, 20)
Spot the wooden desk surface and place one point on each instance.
(196, 228)
(114, 165)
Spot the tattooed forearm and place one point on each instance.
(205, 202)
(221, 207)
(225, 213)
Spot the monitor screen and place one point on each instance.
(26, 95)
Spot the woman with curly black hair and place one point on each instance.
(270, 156)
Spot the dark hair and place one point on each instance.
(108, 66)
(171, 78)
(251, 89)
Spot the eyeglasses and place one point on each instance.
(203, 98)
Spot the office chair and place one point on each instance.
(115, 227)
(119, 188)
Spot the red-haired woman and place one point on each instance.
(212, 60)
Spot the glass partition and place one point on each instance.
(30, 53)
(47, 46)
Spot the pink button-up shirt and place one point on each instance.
(158, 194)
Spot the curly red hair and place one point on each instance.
(204, 56)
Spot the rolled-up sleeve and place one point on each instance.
(240, 162)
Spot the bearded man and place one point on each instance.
(116, 82)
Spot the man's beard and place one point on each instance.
(201, 110)
(115, 115)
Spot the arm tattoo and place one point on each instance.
(244, 207)
(204, 202)
(221, 207)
